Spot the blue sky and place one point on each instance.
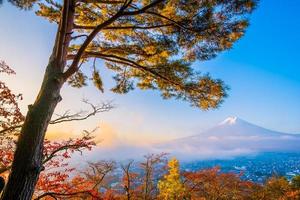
(262, 70)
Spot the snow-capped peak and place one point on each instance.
(229, 121)
(232, 137)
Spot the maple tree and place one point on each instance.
(54, 179)
(10, 114)
(85, 184)
(211, 184)
(277, 188)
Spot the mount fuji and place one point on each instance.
(232, 137)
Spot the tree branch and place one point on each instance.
(78, 36)
(12, 128)
(54, 153)
(144, 9)
(121, 60)
(100, 1)
(123, 27)
(79, 116)
(4, 169)
(99, 172)
(74, 66)
(66, 117)
(170, 20)
(55, 195)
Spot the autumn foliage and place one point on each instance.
(147, 44)
(106, 180)
(10, 114)
(153, 178)
(171, 186)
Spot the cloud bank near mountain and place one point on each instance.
(230, 138)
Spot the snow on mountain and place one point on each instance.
(229, 121)
(232, 137)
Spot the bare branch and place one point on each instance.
(127, 186)
(98, 171)
(67, 117)
(82, 115)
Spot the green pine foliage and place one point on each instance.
(150, 44)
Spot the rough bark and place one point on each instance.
(28, 157)
(27, 164)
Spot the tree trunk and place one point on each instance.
(28, 157)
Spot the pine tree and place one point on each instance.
(171, 187)
(149, 44)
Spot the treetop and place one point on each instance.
(149, 44)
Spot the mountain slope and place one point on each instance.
(230, 138)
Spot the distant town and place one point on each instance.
(256, 168)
